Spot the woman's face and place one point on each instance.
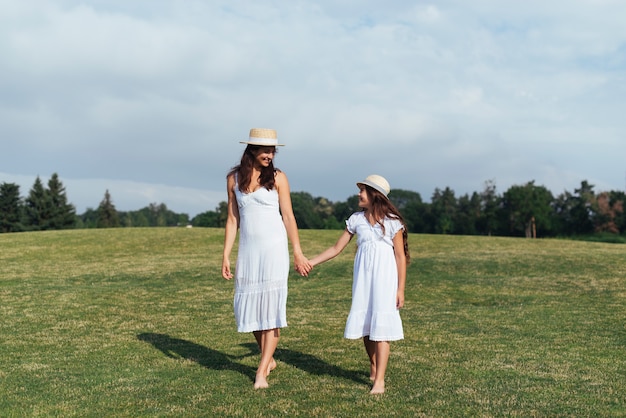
(364, 200)
(264, 156)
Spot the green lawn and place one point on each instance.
(139, 322)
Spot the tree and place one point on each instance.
(208, 219)
(608, 214)
(576, 213)
(487, 222)
(222, 212)
(212, 219)
(343, 210)
(528, 209)
(618, 201)
(89, 219)
(38, 208)
(443, 210)
(62, 214)
(584, 208)
(304, 210)
(467, 214)
(410, 206)
(107, 214)
(10, 208)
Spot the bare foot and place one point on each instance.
(271, 367)
(377, 390)
(260, 382)
(372, 372)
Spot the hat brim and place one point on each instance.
(261, 144)
(373, 186)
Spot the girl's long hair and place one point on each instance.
(244, 170)
(381, 208)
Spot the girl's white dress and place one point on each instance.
(262, 262)
(375, 284)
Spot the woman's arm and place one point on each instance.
(232, 224)
(398, 249)
(333, 251)
(303, 266)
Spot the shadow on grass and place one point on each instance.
(311, 364)
(212, 359)
(204, 356)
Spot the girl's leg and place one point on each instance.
(269, 341)
(382, 358)
(370, 347)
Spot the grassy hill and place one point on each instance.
(139, 322)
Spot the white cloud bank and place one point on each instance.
(155, 95)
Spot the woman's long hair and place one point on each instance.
(244, 170)
(381, 208)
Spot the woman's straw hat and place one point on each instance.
(263, 137)
(377, 182)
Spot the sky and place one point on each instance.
(149, 99)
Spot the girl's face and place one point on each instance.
(364, 201)
(265, 156)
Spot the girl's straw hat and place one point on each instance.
(377, 182)
(263, 137)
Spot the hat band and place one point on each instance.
(263, 141)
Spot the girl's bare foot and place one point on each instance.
(260, 382)
(377, 390)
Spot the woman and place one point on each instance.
(259, 205)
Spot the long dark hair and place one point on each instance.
(381, 208)
(244, 169)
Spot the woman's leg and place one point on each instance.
(382, 358)
(370, 347)
(259, 341)
(268, 341)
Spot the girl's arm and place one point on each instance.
(333, 251)
(398, 249)
(232, 224)
(303, 266)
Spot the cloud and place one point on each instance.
(157, 94)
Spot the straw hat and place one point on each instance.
(263, 137)
(377, 182)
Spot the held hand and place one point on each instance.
(226, 270)
(303, 266)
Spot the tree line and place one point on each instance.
(526, 210)
(47, 208)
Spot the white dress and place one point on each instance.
(375, 284)
(262, 262)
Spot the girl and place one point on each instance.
(379, 274)
(259, 205)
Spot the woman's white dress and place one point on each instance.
(262, 262)
(375, 283)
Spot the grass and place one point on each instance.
(138, 322)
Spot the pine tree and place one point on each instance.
(10, 208)
(38, 208)
(63, 214)
(107, 214)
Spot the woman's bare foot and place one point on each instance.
(260, 382)
(271, 367)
